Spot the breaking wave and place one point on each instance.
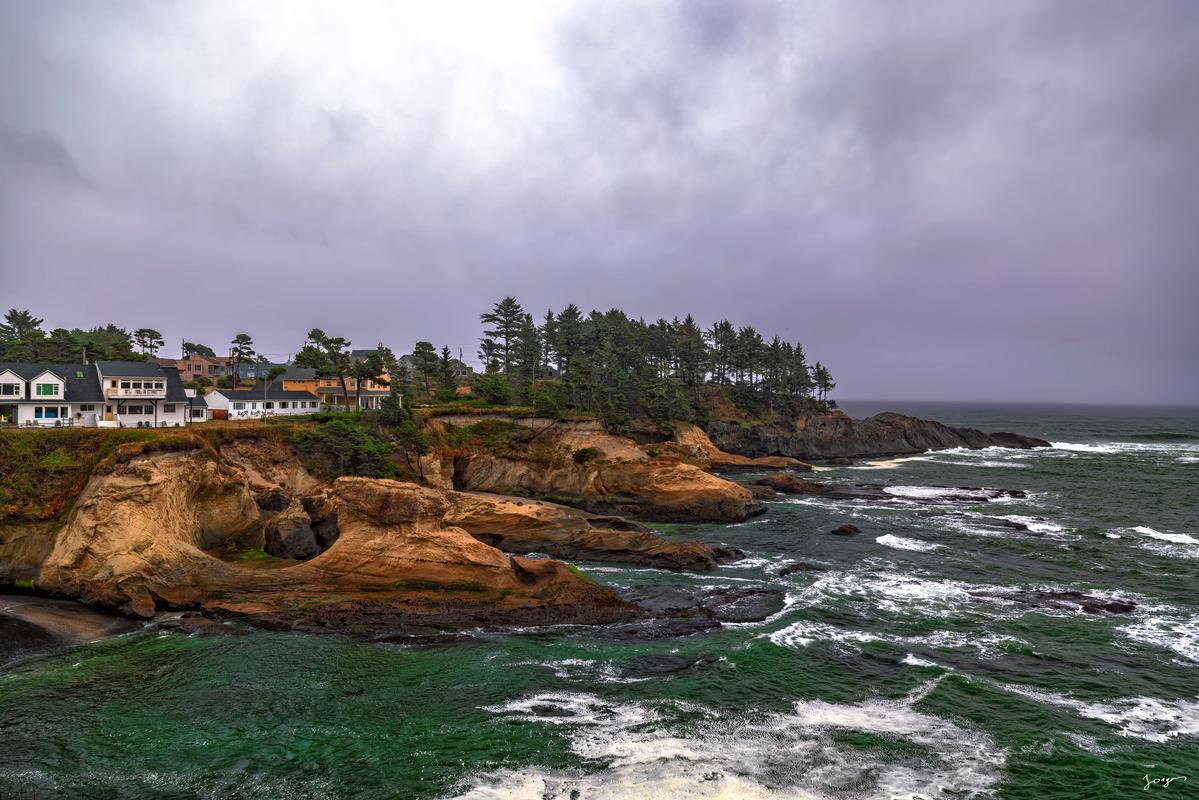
(658, 750)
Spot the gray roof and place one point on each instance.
(76, 389)
(129, 369)
(338, 391)
(299, 373)
(175, 392)
(272, 391)
(198, 401)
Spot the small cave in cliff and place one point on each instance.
(289, 529)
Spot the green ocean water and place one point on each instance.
(899, 667)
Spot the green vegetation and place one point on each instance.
(342, 445)
(581, 575)
(22, 339)
(45, 470)
(621, 369)
(585, 454)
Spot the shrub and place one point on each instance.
(585, 454)
(342, 446)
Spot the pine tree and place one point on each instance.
(505, 320)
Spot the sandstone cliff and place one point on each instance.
(835, 435)
(141, 536)
(660, 489)
(516, 525)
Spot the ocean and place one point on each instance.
(935, 654)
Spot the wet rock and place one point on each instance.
(659, 664)
(290, 534)
(802, 566)
(656, 629)
(722, 604)
(761, 492)
(787, 483)
(1069, 600)
(727, 554)
(846, 530)
(31, 625)
(197, 625)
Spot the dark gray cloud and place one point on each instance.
(941, 200)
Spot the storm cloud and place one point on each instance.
(991, 201)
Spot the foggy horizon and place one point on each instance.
(943, 203)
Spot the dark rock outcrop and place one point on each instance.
(1068, 599)
(846, 530)
(835, 435)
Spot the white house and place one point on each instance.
(104, 394)
(263, 400)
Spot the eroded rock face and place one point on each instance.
(136, 541)
(653, 488)
(712, 457)
(516, 525)
(835, 435)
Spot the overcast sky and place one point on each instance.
(947, 200)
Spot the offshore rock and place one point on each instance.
(834, 435)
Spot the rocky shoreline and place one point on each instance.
(163, 529)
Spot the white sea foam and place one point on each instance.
(1180, 634)
(806, 633)
(904, 543)
(892, 592)
(1175, 538)
(1148, 718)
(1107, 448)
(782, 756)
(913, 661)
(887, 463)
(930, 492)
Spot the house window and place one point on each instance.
(87, 407)
(268, 404)
(168, 408)
(124, 384)
(157, 385)
(137, 409)
(239, 406)
(282, 404)
(10, 389)
(50, 412)
(46, 389)
(197, 413)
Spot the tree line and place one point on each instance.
(618, 368)
(22, 338)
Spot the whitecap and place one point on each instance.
(1171, 633)
(645, 752)
(1148, 718)
(911, 660)
(903, 543)
(1175, 538)
(1079, 447)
